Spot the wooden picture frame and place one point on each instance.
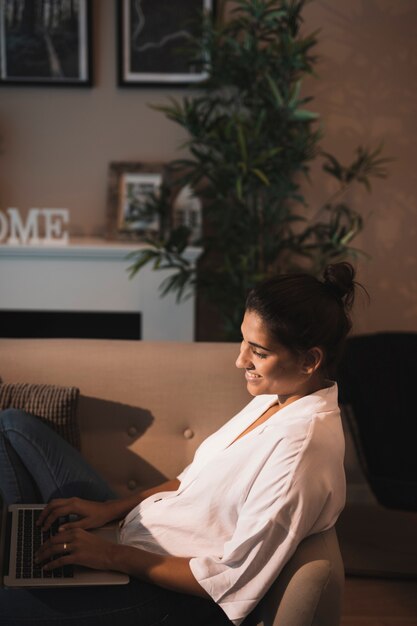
(130, 185)
(46, 43)
(150, 35)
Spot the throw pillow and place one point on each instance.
(54, 405)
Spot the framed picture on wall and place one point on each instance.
(132, 190)
(45, 42)
(153, 38)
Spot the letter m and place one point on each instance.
(23, 233)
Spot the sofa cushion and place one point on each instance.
(145, 405)
(54, 405)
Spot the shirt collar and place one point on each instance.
(321, 401)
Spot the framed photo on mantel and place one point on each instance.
(45, 42)
(132, 190)
(152, 41)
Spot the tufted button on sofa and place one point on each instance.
(188, 433)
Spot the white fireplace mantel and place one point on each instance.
(91, 275)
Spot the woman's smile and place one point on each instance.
(270, 367)
(251, 376)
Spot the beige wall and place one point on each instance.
(57, 143)
(367, 92)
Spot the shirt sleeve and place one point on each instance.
(239, 578)
(280, 510)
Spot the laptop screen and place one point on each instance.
(5, 528)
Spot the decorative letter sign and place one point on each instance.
(15, 232)
(3, 227)
(54, 219)
(21, 233)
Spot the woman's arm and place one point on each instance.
(123, 506)
(94, 514)
(89, 550)
(170, 572)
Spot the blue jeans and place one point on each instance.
(36, 465)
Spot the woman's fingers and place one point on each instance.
(75, 547)
(84, 523)
(59, 562)
(90, 513)
(48, 510)
(56, 509)
(59, 544)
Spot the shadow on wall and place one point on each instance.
(108, 430)
(366, 94)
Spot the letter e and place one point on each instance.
(54, 219)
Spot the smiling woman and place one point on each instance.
(277, 369)
(284, 350)
(220, 532)
(301, 313)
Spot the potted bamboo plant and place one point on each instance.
(252, 138)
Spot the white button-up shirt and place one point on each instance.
(242, 509)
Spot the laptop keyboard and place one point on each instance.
(30, 537)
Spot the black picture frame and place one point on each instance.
(46, 43)
(159, 26)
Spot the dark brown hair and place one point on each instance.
(302, 312)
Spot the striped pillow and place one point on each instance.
(54, 405)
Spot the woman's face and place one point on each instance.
(270, 368)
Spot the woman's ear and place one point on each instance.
(313, 360)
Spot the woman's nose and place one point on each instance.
(243, 360)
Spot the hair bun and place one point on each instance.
(339, 279)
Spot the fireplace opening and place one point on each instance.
(70, 324)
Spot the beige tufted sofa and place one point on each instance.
(143, 410)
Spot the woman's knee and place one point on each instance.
(17, 419)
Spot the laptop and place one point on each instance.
(20, 538)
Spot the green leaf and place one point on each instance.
(275, 91)
(239, 190)
(302, 115)
(295, 94)
(242, 142)
(261, 176)
(143, 257)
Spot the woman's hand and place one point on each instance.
(90, 514)
(75, 547)
(95, 514)
(79, 547)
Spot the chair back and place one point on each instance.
(309, 590)
(376, 378)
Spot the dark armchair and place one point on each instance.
(377, 381)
